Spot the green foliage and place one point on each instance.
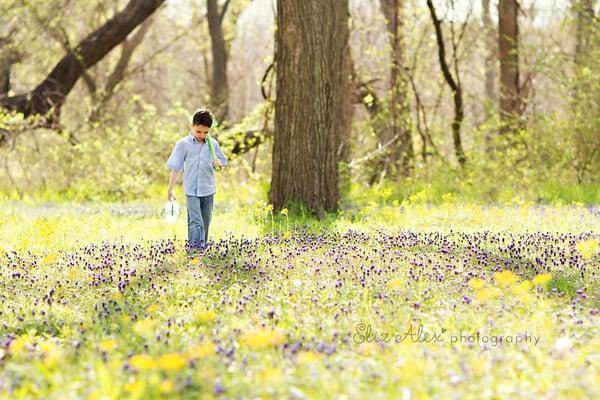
(564, 283)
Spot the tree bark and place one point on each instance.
(343, 151)
(9, 55)
(219, 86)
(585, 100)
(491, 57)
(7, 59)
(454, 85)
(508, 45)
(584, 22)
(402, 152)
(311, 41)
(52, 92)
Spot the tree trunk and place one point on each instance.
(118, 74)
(508, 45)
(343, 152)
(584, 11)
(7, 59)
(9, 55)
(51, 93)
(491, 57)
(311, 41)
(219, 87)
(454, 85)
(402, 152)
(584, 103)
(490, 69)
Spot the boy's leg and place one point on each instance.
(207, 209)
(195, 223)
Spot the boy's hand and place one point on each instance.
(217, 163)
(170, 196)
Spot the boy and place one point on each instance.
(192, 155)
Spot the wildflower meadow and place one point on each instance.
(401, 300)
(299, 199)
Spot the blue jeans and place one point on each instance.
(199, 214)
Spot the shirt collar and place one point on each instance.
(194, 140)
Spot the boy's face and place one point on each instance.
(200, 132)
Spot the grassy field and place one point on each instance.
(385, 300)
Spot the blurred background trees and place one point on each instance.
(486, 99)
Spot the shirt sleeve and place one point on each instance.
(175, 161)
(219, 153)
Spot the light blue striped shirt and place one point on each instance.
(195, 159)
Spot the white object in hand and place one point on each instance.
(171, 211)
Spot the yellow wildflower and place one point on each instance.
(488, 294)
(476, 283)
(116, 364)
(394, 283)
(587, 248)
(49, 258)
(522, 288)
(542, 279)
(505, 278)
(478, 365)
(166, 387)
(270, 374)
(107, 345)
(20, 344)
(143, 362)
(136, 388)
(201, 350)
(172, 362)
(309, 356)
(284, 211)
(52, 353)
(262, 338)
(144, 327)
(72, 273)
(152, 308)
(205, 316)
(287, 235)
(23, 245)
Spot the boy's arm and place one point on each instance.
(220, 156)
(172, 181)
(175, 164)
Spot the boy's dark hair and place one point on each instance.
(202, 117)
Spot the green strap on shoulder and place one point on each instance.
(210, 143)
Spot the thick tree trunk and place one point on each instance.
(219, 86)
(454, 85)
(508, 45)
(402, 152)
(311, 41)
(51, 93)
